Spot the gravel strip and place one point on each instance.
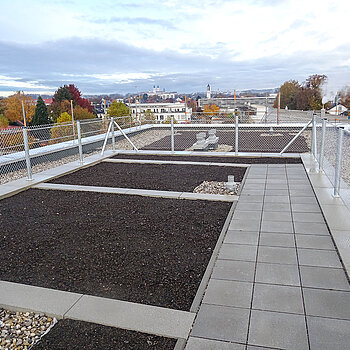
(20, 330)
(215, 187)
(140, 140)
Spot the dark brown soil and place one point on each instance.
(77, 335)
(181, 178)
(250, 140)
(133, 248)
(240, 160)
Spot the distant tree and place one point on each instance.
(13, 105)
(41, 115)
(118, 109)
(81, 113)
(62, 130)
(4, 122)
(168, 121)
(77, 99)
(148, 117)
(345, 96)
(288, 91)
(64, 118)
(61, 94)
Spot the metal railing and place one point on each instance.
(331, 145)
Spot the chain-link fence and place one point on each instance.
(235, 132)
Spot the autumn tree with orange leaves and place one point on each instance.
(211, 109)
(13, 107)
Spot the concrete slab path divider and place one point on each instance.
(110, 312)
(138, 192)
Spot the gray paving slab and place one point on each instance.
(277, 274)
(311, 228)
(278, 330)
(313, 257)
(221, 323)
(324, 278)
(138, 317)
(301, 193)
(245, 215)
(327, 303)
(277, 240)
(305, 208)
(249, 206)
(21, 297)
(251, 199)
(254, 180)
(234, 270)
(244, 225)
(342, 241)
(276, 192)
(253, 186)
(242, 237)
(251, 347)
(303, 200)
(277, 199)
(208, 344)
(277, 226)
(248, 192)
(276, 216)
(229, 293)
(328, 334)
(308, 217)
(242, 252)
(314, 242)
(280, 207)
(277, 255)
(276, 186)
(278, 298)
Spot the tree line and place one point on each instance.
(308, 95)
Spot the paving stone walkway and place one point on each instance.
(278, 282)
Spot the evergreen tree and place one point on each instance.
(41, 115)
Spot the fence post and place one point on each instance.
(26, 152)
(80, 146)
(323, 140)
(338, 162)
(236, 135)
(313, 137)
(113, 136)
(172, 134)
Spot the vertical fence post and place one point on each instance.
(338, 162)
(80, 146)
(313, 136)
(172, 134)
(26, 152)
(323, 140)
(113, 135)
(236, 134)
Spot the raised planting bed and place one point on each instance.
(139, 249)
(250, 140)
(213, 158)
(78, 335)
(169, 177)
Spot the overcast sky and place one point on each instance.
(106, 46)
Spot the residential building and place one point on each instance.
(162, 111)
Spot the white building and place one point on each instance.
(162, 111)
(208, 91)
(337, 109)
(162, 94)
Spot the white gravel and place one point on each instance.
(20, 330)
(215, 187)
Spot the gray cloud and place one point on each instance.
(75, 60)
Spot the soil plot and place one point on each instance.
(139, 249)
(78, 335)
(240, 160)
(249, 140)
(169, 177)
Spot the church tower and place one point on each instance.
(208, 91)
